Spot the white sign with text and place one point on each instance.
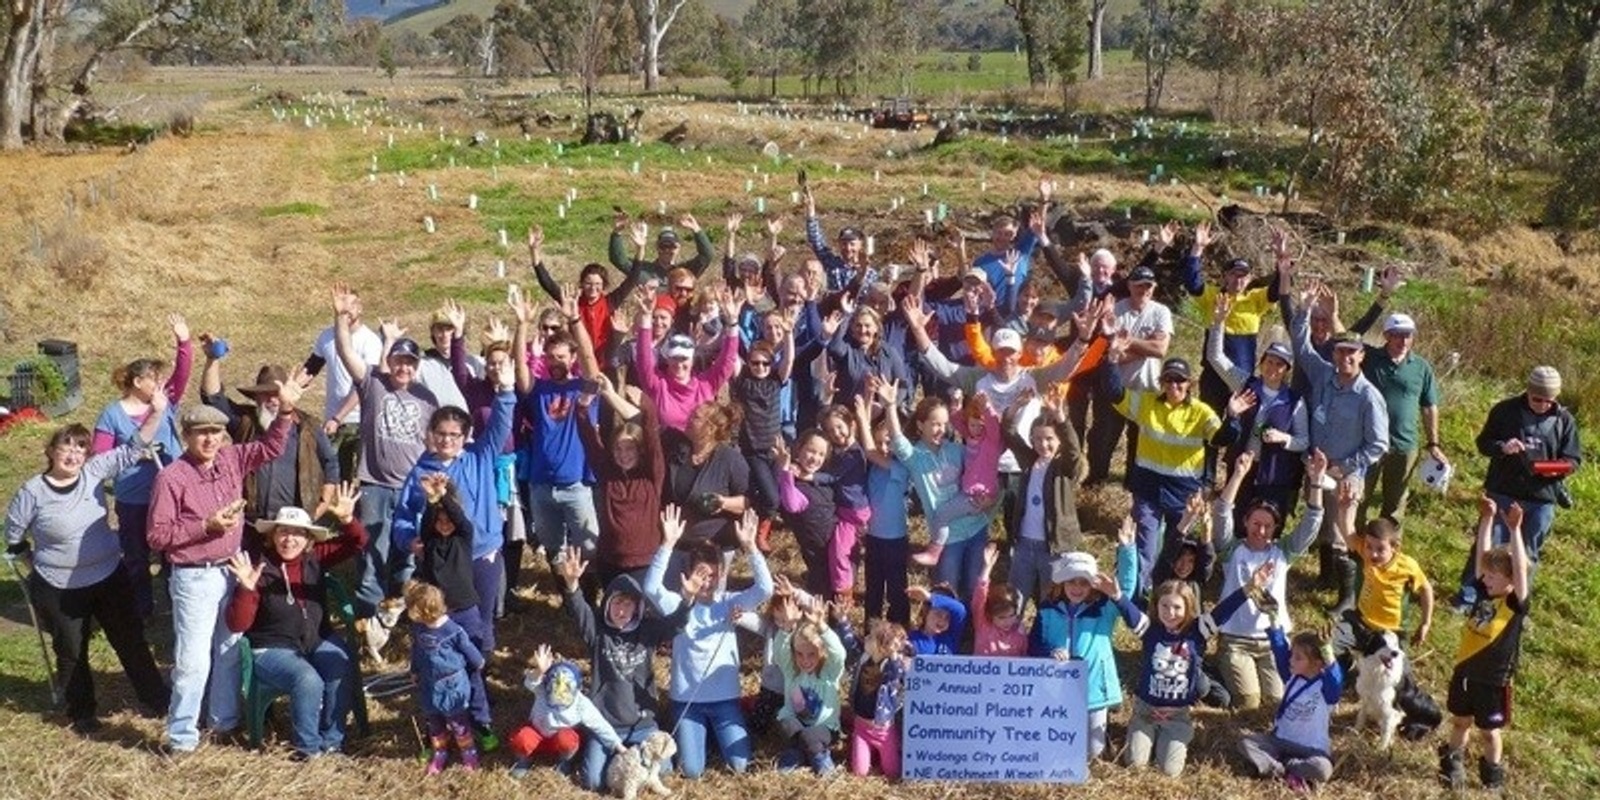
(987, 719)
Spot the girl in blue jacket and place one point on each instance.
(1075, 623)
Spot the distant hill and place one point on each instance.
(383, 9)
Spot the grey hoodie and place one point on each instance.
(624, 684)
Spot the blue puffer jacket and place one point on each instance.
(1084, 629)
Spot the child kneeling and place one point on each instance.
(559, 711)
(812, 660)
(1298, 749)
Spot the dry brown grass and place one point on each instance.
(181, 228)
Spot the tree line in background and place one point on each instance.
(1465, 112)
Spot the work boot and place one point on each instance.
(764, 537)
(1492, 775)
(1452, 772)
(1326, 557)
(1349, 573)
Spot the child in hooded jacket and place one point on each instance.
(1076, 621)
(442, 658)
(622, 643)
(943, 618)
(559, 717)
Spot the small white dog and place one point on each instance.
(1383, 665)
(640, 767)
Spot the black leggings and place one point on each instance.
(69, 615)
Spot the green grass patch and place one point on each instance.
(295, 209)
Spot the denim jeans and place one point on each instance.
(595, 757)
(1537, 518)
(133, 522)
(723, 719)
(203, 649)
(318, 690)
(961, 563)
(471, 620)
(1153, 525)
(1030, 569)
(562, 516)
(377, 567)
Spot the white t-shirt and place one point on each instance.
(367, 346)
(1143, 374)
(436, 375)
(1032, 526)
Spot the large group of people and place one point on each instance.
(650, 424)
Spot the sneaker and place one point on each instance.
(1296, 784)
(822, 765)
(521, 768)
(172, 753)
(929, 556)
(1493, 776)
(469, 759)
(487, 741)
(1452, 772)
(789, 760)
(437, 762)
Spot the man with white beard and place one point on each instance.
(305, 475)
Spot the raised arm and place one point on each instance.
(182, 361)
(344, 305)
(1310, 524)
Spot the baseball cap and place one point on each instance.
(406, 348)
(1175, 367)
(1238, 265)
(977, 274)
(667, 236)
(1400, 323)
(1142, 274)
(848, 233)
(1349, 339)
(1280, 351)
(1006, 339)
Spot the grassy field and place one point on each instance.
(243, 226)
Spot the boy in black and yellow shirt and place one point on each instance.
(1480, 687)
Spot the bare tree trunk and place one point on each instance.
(1097, 28)
(655, 29)
(16, 82)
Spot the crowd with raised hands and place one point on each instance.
(648, 425)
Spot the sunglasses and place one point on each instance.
(761, 363)
(683, 289)
(1174, 380)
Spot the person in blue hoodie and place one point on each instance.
(1075, 623)
(471, 470)
(622, 644)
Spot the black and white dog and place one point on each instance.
(1378, 679)
(1388, 694)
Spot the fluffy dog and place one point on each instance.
(377, 630)
(1378, 680)
(640, 766)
